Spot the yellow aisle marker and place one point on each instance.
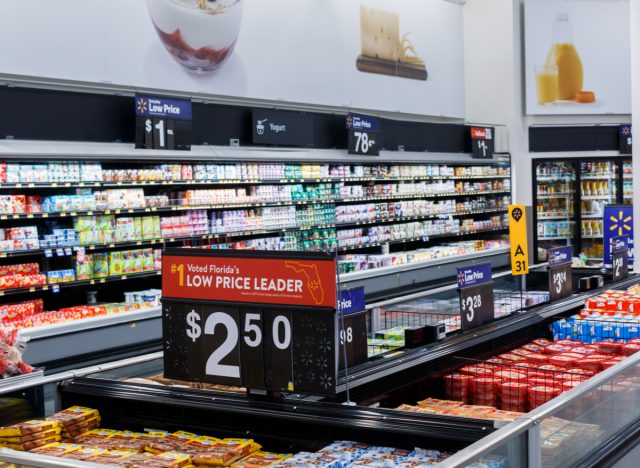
(518, 240)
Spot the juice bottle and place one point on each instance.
(564, 56)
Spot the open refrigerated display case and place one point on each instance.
(570, 196)
(82, 236)
(387, 390)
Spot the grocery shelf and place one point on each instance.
(247, 204)
(553, 238)
(555, 195)
(407, 275)
(72, 284)
(559, 178)
(545, 218)
(597, 176)
(224, 182)
(421, 217)
(591, 216)
(597, 197)
(592, 237)
(424, 238)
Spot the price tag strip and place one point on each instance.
(262, 320)
(365, 136)
(475, 284)
(619, 257)
(560, 278)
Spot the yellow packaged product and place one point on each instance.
(113, 457)
(31, 437)
(27, 446)
(259, 459)
(173, 459)
(74, 415)
(85, 453)
(27, 427)
(174, 442)
(56, 449)
(95, 436)
(241, 447)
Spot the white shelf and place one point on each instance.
(597, 197)
(555, 195)
(553, 238)
(551, 218)
(592, 237)
(598, 177)
(561, 178)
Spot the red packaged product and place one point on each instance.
(557, 349)
(569, 384)
(569, 342)
(609, 363)
(534, 348)
(484, 391)
(476, 371)
(536, 358)
(562, 360)
(585, 350)
(511, 376)
(521, 352)
(609, 347)
(540, 381)
(541, 342)
(590, 364)
(551, 367)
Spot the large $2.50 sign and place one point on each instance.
(262, 320)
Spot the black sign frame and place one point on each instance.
(483, 148)
(560, 282)
(355, 333)
(307, 364)
(477, 305)
(282, 128)
(620, 265)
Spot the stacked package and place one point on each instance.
(612, 315)
(30, 434)
(21, 276)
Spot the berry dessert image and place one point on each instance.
(199, 34)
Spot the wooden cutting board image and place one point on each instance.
(383, 51)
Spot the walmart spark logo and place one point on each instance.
(460, 278)
(620, 223)
(142, 105)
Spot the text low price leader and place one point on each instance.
(305, 281)
(206, 276)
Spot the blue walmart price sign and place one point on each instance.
(163, 123)
(617, 221)
(476, 295)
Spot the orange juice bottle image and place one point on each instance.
(564, 56)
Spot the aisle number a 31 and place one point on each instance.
(518, 240)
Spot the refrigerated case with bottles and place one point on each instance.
(570, 196)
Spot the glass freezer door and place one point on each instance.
(555, 193)
(598, 188)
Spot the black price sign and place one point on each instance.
(476, 295)
(365, 137)
(262, 348)
(163, 123)
(482, 142)
(354, 336)
(560, 282)
(476, 305)
(560, 278)
(285, 128)
(619, 257)
(264, 321)
(625, 141)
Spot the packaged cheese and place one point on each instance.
(27, 427)
(74, 415)
(56, 449)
